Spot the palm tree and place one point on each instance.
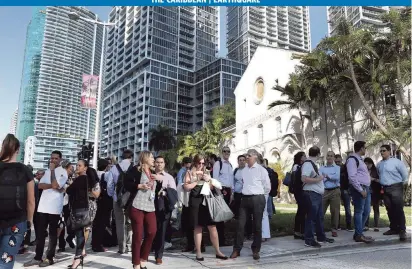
(295, 99)
(353, 48)
(161, 138)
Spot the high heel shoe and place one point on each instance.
(81, 263)
(201, 259)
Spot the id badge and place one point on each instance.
(152, 195)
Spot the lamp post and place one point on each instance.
(74, 16)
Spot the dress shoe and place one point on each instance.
(390, 232)
(402, 235)
(159, 261)
(256, 255)
(235, 254)
(200, 259)
(361, 238)
(221, 257)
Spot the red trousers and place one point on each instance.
(142, 222)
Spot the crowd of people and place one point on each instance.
(131, 204)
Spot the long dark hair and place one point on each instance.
(297, 159)
(10, 145)
(374, 171)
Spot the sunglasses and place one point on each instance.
(226, 151)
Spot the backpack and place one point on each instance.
(13, 192)
(296, 183)
(344, 177)
(274, 181)
(234, 171)
(121, 193)
(221, 165)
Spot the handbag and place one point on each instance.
(80, 218)
(288, 179)
(218, 209)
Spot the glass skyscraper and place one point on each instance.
(58, 52)
(286, 27)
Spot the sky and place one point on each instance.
(13, 24)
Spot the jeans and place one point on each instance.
(300, 213)
(362, 209)
(270, 207)
(375, 201)
(79, 241)
(10, 241)
(345, 196)
(52, 221)
(393, 197)
(251, 204)
(314, 219)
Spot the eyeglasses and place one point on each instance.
(226, 151)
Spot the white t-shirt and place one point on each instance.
(51, 201)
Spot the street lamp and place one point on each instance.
(75, 16)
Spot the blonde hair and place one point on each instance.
(143, 157)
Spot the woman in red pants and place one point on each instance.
(143, 187)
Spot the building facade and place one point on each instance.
(277, 133)
(358, 16)
(13, 122)
(285, 27)
(50, 111)
(157, 68)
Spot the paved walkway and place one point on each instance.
(274, 249)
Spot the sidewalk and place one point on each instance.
(273, 249)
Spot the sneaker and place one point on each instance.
(168, 245)
(327, 240)
(46, 262)
(402, 235)
(32, 263)
(390, 232)
(313, 244)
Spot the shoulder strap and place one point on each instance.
(314, 166)
(221, 165)
(234, 171)
(102, 177)
(356, 160)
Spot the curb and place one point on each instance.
(265, 259)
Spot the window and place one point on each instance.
(260, 127)
(246, 139)
(278, 126)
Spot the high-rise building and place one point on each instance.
(13, 122)
(58, 52)
(152, 55)
(358, 16)
(286, 27)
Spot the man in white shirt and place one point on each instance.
(49, 210)
(256, 184)
(223, 171)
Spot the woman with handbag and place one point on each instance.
(143, 187)
(194, 180)
(80, 217)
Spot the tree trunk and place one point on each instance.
(375, 118)
(336, 127)
(302, 127)
(399, 90)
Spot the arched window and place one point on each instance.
(260, 127)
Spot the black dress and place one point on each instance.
(199, 213)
